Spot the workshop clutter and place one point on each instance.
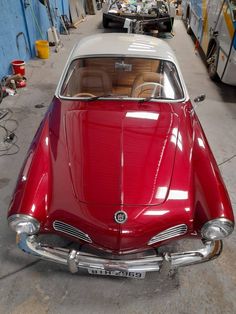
(18, 79)
(137, 6)
(42, 49)
(11, 82)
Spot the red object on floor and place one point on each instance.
(21, 84)
(18, 67)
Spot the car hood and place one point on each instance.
(121, 157)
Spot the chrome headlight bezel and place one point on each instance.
(24, 224)
(217, 229)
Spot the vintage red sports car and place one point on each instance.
(121, 165)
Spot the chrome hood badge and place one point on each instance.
(120, 217)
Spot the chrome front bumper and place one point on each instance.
(77, 259)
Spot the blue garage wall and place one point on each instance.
(22, 22)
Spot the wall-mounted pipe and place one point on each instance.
(26, 26)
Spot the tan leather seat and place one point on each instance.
(96, 82)
(142, 88)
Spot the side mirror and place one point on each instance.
(200, 98)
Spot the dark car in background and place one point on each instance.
(146, 15)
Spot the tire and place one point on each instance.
(169, 25)
(212, 67)
(105, 22)
(188, 27)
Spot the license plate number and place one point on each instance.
(117, 273)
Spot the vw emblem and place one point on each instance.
(120, 217)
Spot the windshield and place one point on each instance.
(122, 77)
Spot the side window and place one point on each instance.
(171, 82)
(68, 88)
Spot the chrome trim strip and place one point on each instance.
(76, 259)
(71, 231)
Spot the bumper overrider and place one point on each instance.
(76, 260)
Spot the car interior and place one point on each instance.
(122, 77)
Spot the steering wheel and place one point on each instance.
(155, 85)
(84, 95)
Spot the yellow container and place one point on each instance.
(42, 49)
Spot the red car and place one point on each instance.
(121, 165)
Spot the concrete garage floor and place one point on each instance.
(31, 286)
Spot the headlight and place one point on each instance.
(23, 224)
(217, 229)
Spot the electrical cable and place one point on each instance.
(8, 138)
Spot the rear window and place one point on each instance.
(122, 77)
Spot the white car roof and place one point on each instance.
(123, 44)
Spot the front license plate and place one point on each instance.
(117, 273)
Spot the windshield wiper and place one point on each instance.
(153, 97)
(97, 97)
(140, 100)
(148, 98)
